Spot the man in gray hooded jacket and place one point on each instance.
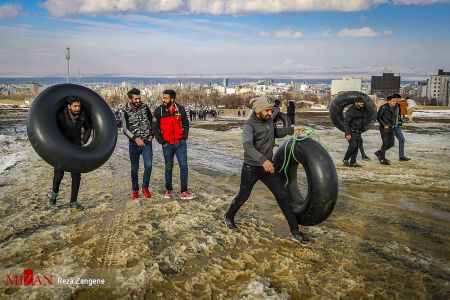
(259, 139)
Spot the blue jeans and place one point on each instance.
(401, 140)
(147, 155)
(180, 151)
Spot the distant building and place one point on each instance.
(225, 86)
(225, 82)
(385, 85)
(32, 87)
(346, 84)
(8, 91)
(438, 88)
(300, 87)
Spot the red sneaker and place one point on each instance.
(146, 193)
(135, 195)
(168, 194)
(187, 195)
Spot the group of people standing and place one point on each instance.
(390, 118)
(202, 113)
(169, 124)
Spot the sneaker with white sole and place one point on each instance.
(168, 194)
(186, 195)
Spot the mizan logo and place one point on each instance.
(28, 279)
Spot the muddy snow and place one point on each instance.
(387, 237)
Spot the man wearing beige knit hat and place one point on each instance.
(259, 135)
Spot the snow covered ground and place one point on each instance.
(430, 114)
(387, 237)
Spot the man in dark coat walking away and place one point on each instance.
(353, 126)
(387, 116)
(291, 112)
(70, 121)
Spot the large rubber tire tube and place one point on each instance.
(48, 140)
(347, 98)
(316, 206)
(287, 128)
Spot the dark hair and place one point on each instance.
(358, 99)
(396, 96)
(388, 98)
(171, 93)
(133, 91)
(73, 99)
(277, 102)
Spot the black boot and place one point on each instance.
(229, 221)
(377, 154)
(384, 162)
(404, 158)
(301, 238)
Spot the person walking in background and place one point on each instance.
(171, 129)
(353, 127)
(398, 131)
(276, 103)
(387, 116)
(412, 106)
(137, 126)
(291, 111)
(403, 107)
(70, 121)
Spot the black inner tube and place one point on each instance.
(347, 98)
(318, 203)
(48, 141)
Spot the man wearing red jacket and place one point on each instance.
(171, 128)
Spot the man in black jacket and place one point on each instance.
(387, 116)
(353, 126)
(70, 122)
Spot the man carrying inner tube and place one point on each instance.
(387, 116)
(353, 127)
(137, 126)
(171, 128)
(259, 139)
(70, 121)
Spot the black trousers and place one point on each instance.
(249, 176)
(76, 179)
(361, 146)
(387, 136)
(352, 150)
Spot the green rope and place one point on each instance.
(308, 133)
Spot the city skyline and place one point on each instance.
(279, 39)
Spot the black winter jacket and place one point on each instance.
(72, 130)
(387, 115)
(354, 120)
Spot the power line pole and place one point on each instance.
(68, 59)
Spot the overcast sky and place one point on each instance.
(271, 38)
